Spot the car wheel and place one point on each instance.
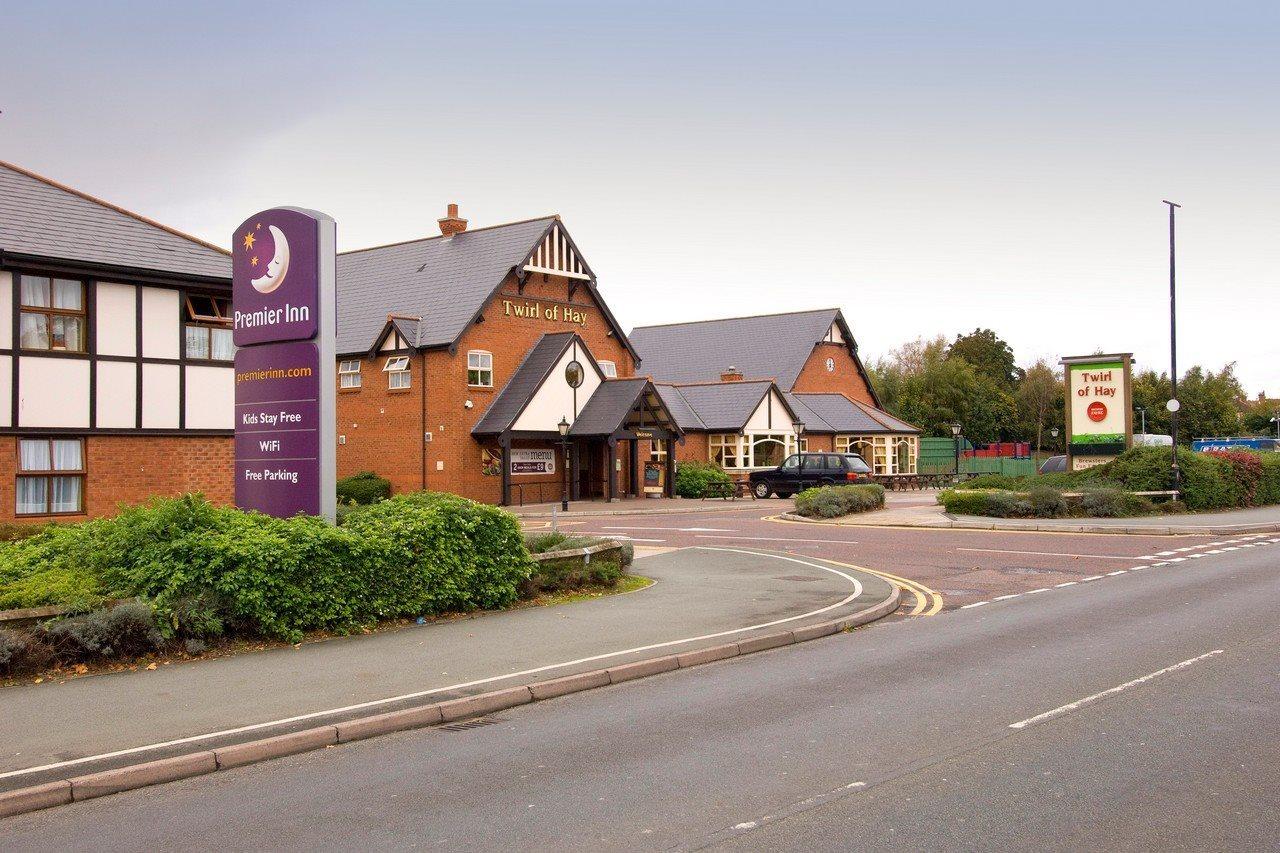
(761, 490)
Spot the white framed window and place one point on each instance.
(480, 368)
(725, 449)
(609, 369)
(349, 373)
(397, 370)
(50, 476)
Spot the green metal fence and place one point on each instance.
(938, 455)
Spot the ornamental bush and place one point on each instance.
(835, 501)
(208, 570)
(1047, 503)
(692, 478)
(365, 487)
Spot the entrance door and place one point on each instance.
(591, 469)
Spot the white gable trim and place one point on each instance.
(555, 255)
(555, 399)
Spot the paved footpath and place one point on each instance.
(49, 729)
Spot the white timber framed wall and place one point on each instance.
(85, 355)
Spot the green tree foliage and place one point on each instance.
(1040, 398)
(990, 355)
(1209, 402)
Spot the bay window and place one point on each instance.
(52, 313)
(750, 450)
(50, 476)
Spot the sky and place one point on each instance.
(929, 168)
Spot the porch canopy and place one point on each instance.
(559, 380)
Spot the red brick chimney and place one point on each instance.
(733, 374)
(452, 224)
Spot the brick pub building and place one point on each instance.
(116, 379)
(463, 356)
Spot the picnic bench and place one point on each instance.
(903, 482)
(728, 491)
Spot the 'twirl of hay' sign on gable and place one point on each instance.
(283, 301)
(1099, 409)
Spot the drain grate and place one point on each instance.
(471, 724)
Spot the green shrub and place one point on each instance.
(12, 532)
(835, 501)
(21, 652)
(127, 630)
(1114, 503)
(692, 477)
(1269, 482)
(540, 543)
(964, 501)
(365, 487)
(1047, 503)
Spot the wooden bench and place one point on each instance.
(728, 491)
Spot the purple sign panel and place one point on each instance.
(275, 278)
(283, 301)
(278, 429)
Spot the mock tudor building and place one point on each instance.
(746, 391)
(482, 361)
(116, 377)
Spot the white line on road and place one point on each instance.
(1067, 583)
(775, 539)
(680, 529)
(1071, 706)
(857, 591)
(1092, 578)
(1116, 572)
(1053, 554)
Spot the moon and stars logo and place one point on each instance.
(257, 245)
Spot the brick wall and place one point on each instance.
(132, 469)
(844, 379)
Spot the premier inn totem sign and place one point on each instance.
(283, 303)
(1099, 410)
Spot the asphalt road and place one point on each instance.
(1135, 711)
(964, 566)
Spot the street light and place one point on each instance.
(563, 426)
(1276, 421)
(1143, 412)
(798, 426)
(1173, 347)
(955, 435)
(1053, 431)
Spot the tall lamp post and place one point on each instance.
(563, 426)
(1173, 405)
(955, 436)
(1143, 412)
(1054, 432)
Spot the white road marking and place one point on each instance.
(1111, 691)
(857, 591)
(975, 604)
(1053, 554)
(1091, 578)
(774, 538)
(1067, 583)
(1006, 597)
(1116, 572)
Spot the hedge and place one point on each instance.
(834, 501)
(208, 570)
(1218, 480)
(365, 487)
(692, 478)
(1045, 502)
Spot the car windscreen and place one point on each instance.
(857, 465)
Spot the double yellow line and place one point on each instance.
(928, 601)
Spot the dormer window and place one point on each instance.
(397, 370)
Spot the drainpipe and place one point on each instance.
(422, 435)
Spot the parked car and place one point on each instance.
(1053, 465)
(804, 470)
(1151, 439)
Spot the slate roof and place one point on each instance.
(609, 406)
(836, 413)
(715, 406)
(772, 346)
(443, 280)
(42, 218)
(511, 400)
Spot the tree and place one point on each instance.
(990, 355)
(1256, 416)
(1209, 402)
(1040, 398)
(921, 384)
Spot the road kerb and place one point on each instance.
(34, 798)
(698, 657)
(141, 775)
(392, 721)
(1114, 530)
(642, 668)
(554, 687)
(485, 703)
(279, 746)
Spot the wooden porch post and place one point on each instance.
(613, 471)
(633, 461)
(505, 443)
(671, 468)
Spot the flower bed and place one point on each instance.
(835, 501)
